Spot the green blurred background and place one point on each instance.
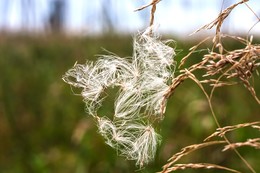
(43, 126)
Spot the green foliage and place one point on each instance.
(43, 127)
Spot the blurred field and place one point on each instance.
(43, 126)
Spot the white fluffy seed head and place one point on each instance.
(144, 146)
(134, 140)
(143, 81)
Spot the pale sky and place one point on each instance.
(173, 16)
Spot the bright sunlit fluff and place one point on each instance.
(143, 81)
(132, 139)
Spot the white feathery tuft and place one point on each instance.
(143, 80)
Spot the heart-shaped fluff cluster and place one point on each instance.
(143, 80)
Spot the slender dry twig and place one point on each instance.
(254, 143)
(187, 150)
(191, 51)
(217, 122)
(197, 166)
(240, 63)
(153, 4)
(222, 131)
(218, 23)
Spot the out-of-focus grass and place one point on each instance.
(43, 126)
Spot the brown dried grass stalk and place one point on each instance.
(187, 150)
(223, 130)
(254, 143)
(219, 21)
(240, 64)
(153, 4)
(237, 66)
(197, 166)
(221, 67)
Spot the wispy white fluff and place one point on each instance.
(145, 144)
(87, 78)
(143, 81)
(133, 139)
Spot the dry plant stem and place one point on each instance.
(238, 59)
(234, 64)
(222, 131)
(153, 11)
(191, 51)
(191, 76)
(246, 83)
(176, 82)
(256, 127)
(188, 74)
(153, 4)
(258, 18)
(218, 124)
(185, 74)
(198, 166)
(252, 10)
(243, 63)
(240, 63)
(255, 143)
(219, 20)
(218, 23)
(186, 150)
